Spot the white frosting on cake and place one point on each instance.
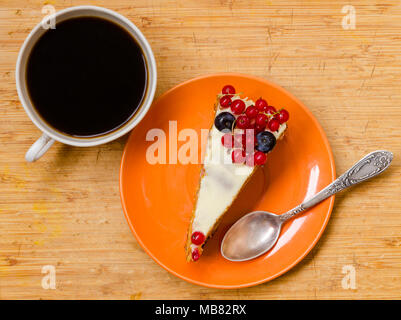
(222, 179)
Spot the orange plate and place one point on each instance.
(158, 199)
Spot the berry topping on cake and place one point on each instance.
(238, 156)
(274, 124)
(261, 104)
(228, 89)
(270, 110)
(252, 123)
(265, 141)
(238, 140)
(225, 101)
(283, 116)
(259, 128)
(197, 238)
(248, 142)
(224, 121)
(238, 106)
(227, 140)
(260, 158)
(195, 254)
(242, 122)
(262, 119)
(251, 112)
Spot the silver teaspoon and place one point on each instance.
(258, 231)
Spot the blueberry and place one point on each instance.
(266, 141)
(224, 121)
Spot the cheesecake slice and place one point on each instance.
(242, 134)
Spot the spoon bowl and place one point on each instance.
(251, 236)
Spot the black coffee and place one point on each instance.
(87, 77)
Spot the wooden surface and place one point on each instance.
(64, 210)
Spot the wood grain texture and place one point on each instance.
(64, 210)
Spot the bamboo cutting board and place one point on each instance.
(64, 211)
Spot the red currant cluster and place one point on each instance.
(197, 238)
(258, 118)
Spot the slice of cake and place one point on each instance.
(242, 134)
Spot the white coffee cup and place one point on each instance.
(50, 134)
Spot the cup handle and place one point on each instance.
(39, 148)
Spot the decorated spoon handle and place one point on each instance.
(368, 167)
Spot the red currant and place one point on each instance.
(261, 104)
(262, 119)
(274, 124)
(238, 156)
(195, 254)
(260, 158)
(238, 106)
(252, 123)
(228, 89)
(259, 128)
(197, 238)
(225, 101)
(270, 110)
(283, 116)
(227, 140)
(242, 122)
(251, 112)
